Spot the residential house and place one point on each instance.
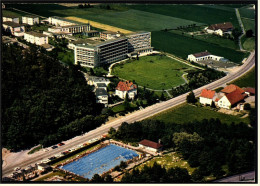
(150, 145)
(94, 80)
(201, 56)
(231, 99)
(101, 96)
(30, 20)
(14, 19)
(14, 28)
(124, 88)
(206, 96)
(36, 38)
(220, 29)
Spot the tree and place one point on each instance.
(108, 179)
(247, 106)
(191, 98)
(162, 98)
(97, 179)
(236, 33)
(249, 33)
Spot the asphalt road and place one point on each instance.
(136, 116)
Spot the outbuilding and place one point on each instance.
(150, 145)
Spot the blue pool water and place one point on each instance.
(100, 161)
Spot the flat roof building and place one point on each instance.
(14, 19)
(59, 21)
(74, 29)
(95, 53)
(14, 28)
(30, 20)
(36, 38)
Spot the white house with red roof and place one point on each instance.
(206, 96)
(220, 28)
(201, 56)
(150, 145)
(126, 87)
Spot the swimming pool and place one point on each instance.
(100, 161)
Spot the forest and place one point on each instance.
(213, 147)
(43, 101)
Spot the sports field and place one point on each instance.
(155, 72)
(182, 46)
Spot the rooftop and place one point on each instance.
(125, 86)
(223, 26)
(31, 16)
(12, 24)
(207, 93)
(231, 88)
(151, 144)
(96, 43)
(101, 85)
(201, 54)
(11, 16)
(250, 90)
(37, 34)
(101, 92)
(235, 97)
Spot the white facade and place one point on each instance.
(122, 94)
(149, 148)
(138, 41)
(224, 103)
(205, 101)
(30, 20)
(11, 19)
(217, 32)
(191, 57)
(70, 29)
(101, 96)
(36, 38)
(14, 28)
(58, 21)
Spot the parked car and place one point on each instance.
(54, 147)
(60, 144)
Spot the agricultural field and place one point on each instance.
(182, 46)
(247, 80)
(179, 115)
(155, 72)
(247, 12)
(12, 13)
(248, 24)
(248, 43)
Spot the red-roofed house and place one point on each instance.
(231, 99)
(231, 88)
(206, 96)
(126, 87)
(150, 145)
(220, 28)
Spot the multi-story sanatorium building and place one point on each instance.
(93, 53)
(30, 20)
(70, 29)
(59, 21)
(139, 42)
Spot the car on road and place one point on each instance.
(17, 168)
(54, 147)
(60, 144)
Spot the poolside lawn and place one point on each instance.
(154, 72)
(188, 113)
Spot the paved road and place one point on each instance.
(136, 116)
(242, 27)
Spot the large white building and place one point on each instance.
(139, 42)
(59, 21)
(14, 28)
(36, 38)
(70, 29)
(201, 56)
(124, 88)
(11, 19)
(30, 20)
(94, 53)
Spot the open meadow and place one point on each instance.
(155, 72)
(179, 115)
(247, 80)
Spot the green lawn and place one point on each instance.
(182, 46)
(12, 13)
(247, 12)
(155, 72)
(67, 57)
(187, 113)
(248, 80)
(197, 13)
(248, 43)
(248, 24)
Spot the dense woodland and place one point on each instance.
(208, 145)
(42, 100)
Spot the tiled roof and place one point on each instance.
(125, 86)
(223, 26)
(217, 99)
(151, 144)
(231, 88)
(207, 93)
(201, 54)
(250, 90)
(235, 97)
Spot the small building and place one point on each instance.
(124, 88)
(109, 35)
(36, 38)
(48, 47)
(14, 19)
(249, 91)
(201, 56)
(43, 167)
(220, 29)
(101, 96)
(231, 99)
(30, 20)
(150, 145)
(94, 80)
(14, 28)
(206, 96)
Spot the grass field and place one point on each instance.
(155, 72)
(210, 38)
(248, 24)
(248, 80)
(12, 13)
(182, 46)
(197, 13)
(187, 113)
(247, 12)
(248, 43)
(100, 25)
